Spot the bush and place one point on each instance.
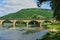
(51, 36)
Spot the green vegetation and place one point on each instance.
(55, 25)
(30, 13)
(51, 36)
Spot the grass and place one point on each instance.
(51, 26)
(54, 26)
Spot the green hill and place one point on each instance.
(30, 13)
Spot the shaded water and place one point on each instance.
(18, 35)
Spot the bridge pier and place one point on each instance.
(27, 24)
(1, 23)
(40, 24)
(14, 23)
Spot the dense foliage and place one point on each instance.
(30, 13)
(52, 36)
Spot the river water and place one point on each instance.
(18, 35)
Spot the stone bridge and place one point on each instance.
(40, 21)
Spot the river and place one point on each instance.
(18, 35)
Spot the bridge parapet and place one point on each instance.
(13, 20)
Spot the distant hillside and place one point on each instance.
(30, 13)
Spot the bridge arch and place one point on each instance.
(49, 21)
(34, 23)
(20, 23)
(7, 23)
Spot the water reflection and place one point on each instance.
(18, 35)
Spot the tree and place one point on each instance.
(34, 16)
(40, 17)
(55, 5)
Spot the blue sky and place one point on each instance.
(9, 6)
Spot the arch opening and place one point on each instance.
(7, 24)
(20, 24)
(46, 24)
(33, 24)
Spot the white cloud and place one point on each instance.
(7, 6)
